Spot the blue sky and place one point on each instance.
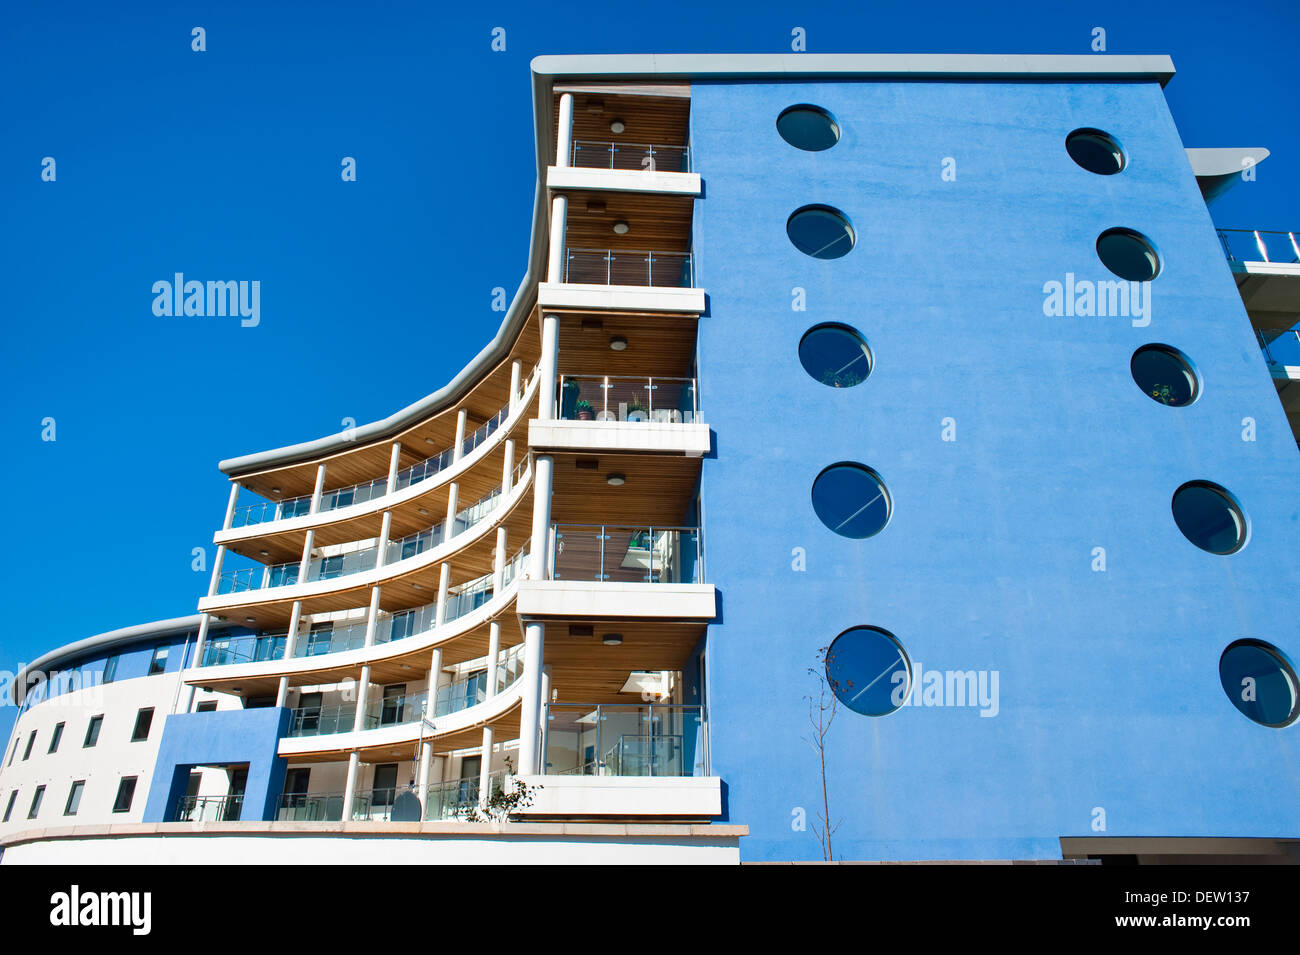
(225, 164)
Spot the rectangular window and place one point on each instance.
(58, 735)
(159, 662)
(110, 668)
(125, 793)
(18, 741)
(9, 806)
(207, 706)
(143, 720)
(36, 802)
(74, 797)
(30, 740)
(385, 788)
(92, 731)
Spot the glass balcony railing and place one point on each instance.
(485, 430)
(356, 494)
(395, 710)
(262, 511)
(209, 808)
(323, 720)
(650, 739)
(643, 157)
(472, 689)
(414, 544)
(341, 565)
(423, 470)
(627, 267)
(1247, 245)
(1280, 346)
(623, 398)
(310, 807)
(323, 638)
(454, 798)
(248, 648)
(659, 555)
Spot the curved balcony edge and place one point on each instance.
(391, 499)
(376, 575)
(472, 717)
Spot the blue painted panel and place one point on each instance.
(216, 738)
(1108, 688)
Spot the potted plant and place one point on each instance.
(583, 410)
(636, 411)
(841, 379)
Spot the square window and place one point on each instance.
(125, 793)
(158, 664)
(58, 735)
(74, 798)
(36, 802)
(143, 720)
(92, 731)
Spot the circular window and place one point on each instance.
(1165, 375)
(1128, 254)
(820, 231)
(1210, 517)
(1096, 151)
(868, 671)
(1260, 682)
(851, 500)
(835, 355)
(808, 127)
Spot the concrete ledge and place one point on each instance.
(611, 601)
(678, 797)
(692, 440)
(632, 298)
(388, 843)
(624, 180)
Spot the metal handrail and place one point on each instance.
(1267, 344)
(611, 758)
(571, 398)
(1260, 244)
(601, 154)
(627, 262)
(641, 539)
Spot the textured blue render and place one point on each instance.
(220, 738)
(1109, 689)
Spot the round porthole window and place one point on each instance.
(1165, 375)
(1260, 682)
(820, 231)
(1128, 254)
(868, 671)
(1210, 517)
(851, 500)
(1096, 151)
(807, 127)
(836, 355)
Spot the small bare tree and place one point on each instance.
(821, 713)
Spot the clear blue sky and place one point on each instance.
(225, 165)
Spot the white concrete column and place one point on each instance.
(458, 449)
(230, 506)
(444, 583)
(290, 643)
(508, 465)
(493, 653)
(557, 253)
(453, 505)
(540, 558)
(350, 787)
(546, 369)
(529, 714)
(485, 767)
(215, 580)
(319, 489)
(422, 780)
(385, 527)
(304, 565)
(372, 616)
(394, 464)
(363, 691)
(499, 559)
(564, 131)
(435, 680)
(516, 373)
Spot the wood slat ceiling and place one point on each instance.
(658, 120)
(585, 670)
(657, 345)
(419, 441)
(659, 489)
(656, 222)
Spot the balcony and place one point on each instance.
(655, 555)
(209, 808)
(1266, 268)
(651, 739)
(625, 279)
(628, 399)
(641, 157)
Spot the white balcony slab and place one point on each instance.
(619, 436)
(673, 797)
(635, 298)
(610, 600)
(624, 180)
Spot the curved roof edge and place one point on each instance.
(106, 641)
(1218, 168)
(545, 69)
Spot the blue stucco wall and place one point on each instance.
(1109, 688)
(220, 738)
